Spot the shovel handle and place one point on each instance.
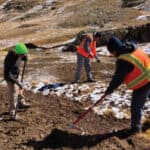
(88, 110)
(24, 66)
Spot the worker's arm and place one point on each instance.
(14, 72)
(15, 80)
(86, 46)
(88, 49)
(122, 69)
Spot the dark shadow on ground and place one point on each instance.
(59, 139)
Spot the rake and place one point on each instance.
(73, 125)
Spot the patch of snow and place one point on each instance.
(83, 87)
(143, 17)
(118, 103)
(94, 97)
(103, 51)
(145, 47)
(118, 114)
(38, 86)
(49, 1)
(46, 92)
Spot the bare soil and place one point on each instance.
(44, 126)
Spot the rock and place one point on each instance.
(129, 3)
(15, 5)
(42, 135)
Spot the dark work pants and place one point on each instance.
(137, 103)
(81, 60)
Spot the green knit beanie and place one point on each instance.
(21, 48)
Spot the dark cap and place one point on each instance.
(98, 34)
(114, 44)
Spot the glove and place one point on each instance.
(98, 60)
(21, 85)
(25, 58)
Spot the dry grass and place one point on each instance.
(1, 1)
(97, 12)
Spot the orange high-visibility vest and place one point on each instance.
(140, 75)
(92, 45)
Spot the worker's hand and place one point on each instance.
(21, 85)
(108, 92)
(91, 54)
(21, 92)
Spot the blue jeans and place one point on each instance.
(81, 60)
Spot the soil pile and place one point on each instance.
(43, 126)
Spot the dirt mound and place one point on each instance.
(44, 126)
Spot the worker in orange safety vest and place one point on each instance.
(86, 51)
(132, 68)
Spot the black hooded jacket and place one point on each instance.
(122, 67)
(12, 67)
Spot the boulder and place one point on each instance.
(131, 3)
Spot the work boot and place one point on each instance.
(22, 104)
(90, 80)
(136, 130)
(78, 81)
(13, 115)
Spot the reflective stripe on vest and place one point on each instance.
(141, 73)
(92, 45)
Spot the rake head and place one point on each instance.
(72, 126)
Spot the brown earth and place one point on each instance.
(44, 126)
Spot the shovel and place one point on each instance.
(22, 76)
(72, 125)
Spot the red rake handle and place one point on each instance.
(82, 115)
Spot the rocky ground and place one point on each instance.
(45, 125)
